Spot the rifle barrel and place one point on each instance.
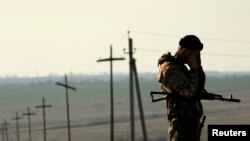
(231, 100)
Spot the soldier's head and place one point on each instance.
(191, 42)
(189, 48)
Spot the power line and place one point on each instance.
(120, 39)
(226, 40)
(156, 34)
(227, 55)
(210, 54)
(153, 50)
(205, 38)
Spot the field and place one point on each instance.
(90, 110)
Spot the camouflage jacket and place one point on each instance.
(182, 85)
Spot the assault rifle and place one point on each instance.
(203, 96)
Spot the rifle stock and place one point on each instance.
(152, 93)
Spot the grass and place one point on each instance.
(89, 107)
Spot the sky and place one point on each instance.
(44, 37)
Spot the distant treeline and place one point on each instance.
(16, 81)
(228, 83)
(213, 78)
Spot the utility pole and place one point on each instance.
(43, 106)
(5, 125)
(17, 126)
(111, 59)
(29, 114)
(67, 103)
(3, 136)
(133, 75)
(131, 88)
(138, 92)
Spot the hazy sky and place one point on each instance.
(40, 37)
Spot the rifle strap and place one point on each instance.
(202, 124)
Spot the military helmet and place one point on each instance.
(191, 42)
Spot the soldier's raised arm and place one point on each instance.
(174, 78)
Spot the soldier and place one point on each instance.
(184, 85)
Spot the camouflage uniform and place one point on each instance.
(183, 107)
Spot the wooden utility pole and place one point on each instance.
(66, 86)
(131, 88)
(29, 114)
(133, 75)
(111, 59)
(43, 106)
(140, 105)
(3, 135)
(5, 126)
(17, 126)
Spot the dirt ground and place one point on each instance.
(93, 125)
